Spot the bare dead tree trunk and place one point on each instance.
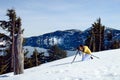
(19, 56)
(12, 55)
(36, 59)
(20, 53)
(16, 70)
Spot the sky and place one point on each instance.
(44, 16)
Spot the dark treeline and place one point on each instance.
(37, 58)
(96, 41)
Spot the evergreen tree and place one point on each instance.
(96, 39)
(28, 63)
(110, 40)
(26, 59)
(41, 57)
(13, 26)
(34, 58)
(56, 53)
(115, 44)
(109, 36)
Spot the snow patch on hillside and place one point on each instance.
(54, 41)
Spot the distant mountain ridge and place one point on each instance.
(67, 39)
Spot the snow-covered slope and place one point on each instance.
(105, 68)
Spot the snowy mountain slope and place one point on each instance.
(63, 39)
(69, 39)
(105, 68)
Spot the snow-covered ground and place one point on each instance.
(105, 68)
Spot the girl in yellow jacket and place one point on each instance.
(86, 52)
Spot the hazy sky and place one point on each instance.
(43, 16)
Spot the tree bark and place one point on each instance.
(19, 56)
(20, 53)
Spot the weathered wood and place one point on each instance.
(20, 53)
(19, 56)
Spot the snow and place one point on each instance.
(105, 68)
(2, 43)
(54, 40)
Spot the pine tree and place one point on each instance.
(34, 58)
(14, 27)
(116, 44)
(109, 36)
(41, 57)
(109, 39)
(56, 53)
(96, 39)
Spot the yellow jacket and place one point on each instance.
(87, 50)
